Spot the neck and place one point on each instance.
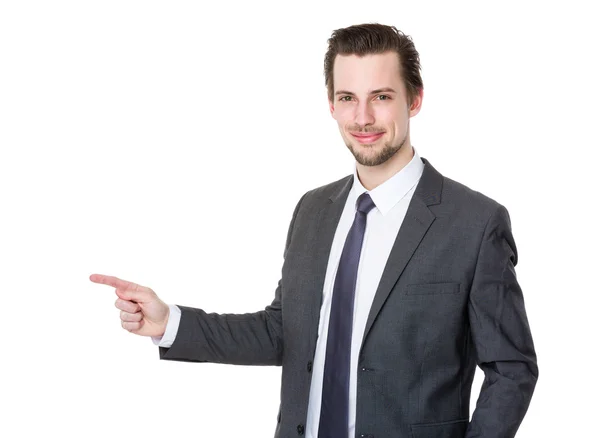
(372, 176)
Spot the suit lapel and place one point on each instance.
(327, 222)
(417, 221)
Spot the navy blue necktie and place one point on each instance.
(333, 422)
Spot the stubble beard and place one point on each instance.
(386, 153)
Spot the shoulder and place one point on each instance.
(446, 196)
(467, 196)
(323, 195)
(469, 206)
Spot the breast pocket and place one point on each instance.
(432, 288)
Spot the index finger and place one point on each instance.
(110, 281)
(124, 289)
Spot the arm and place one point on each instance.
(240, 339)
(501, 336)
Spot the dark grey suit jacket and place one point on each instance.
(448, 300)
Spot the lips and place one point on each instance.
(368, 138)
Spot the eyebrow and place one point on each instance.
(379, 90)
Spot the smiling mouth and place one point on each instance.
(368, 138)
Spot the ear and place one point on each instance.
(331, 107)
(416, 104)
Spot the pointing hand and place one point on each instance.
(142, 312)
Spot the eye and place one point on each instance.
(384, 95)
(343, 98)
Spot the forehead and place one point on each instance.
(378, 70)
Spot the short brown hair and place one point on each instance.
(375, 38)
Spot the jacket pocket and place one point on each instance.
(432, 288)
(446, 429)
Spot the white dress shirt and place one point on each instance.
(391, 200)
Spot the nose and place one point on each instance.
(364, 114)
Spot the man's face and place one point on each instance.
(370, 106)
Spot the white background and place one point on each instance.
(167, 143)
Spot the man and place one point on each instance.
(396, 282)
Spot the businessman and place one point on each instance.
(396, 282)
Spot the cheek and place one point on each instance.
(343, 113)
(343, 121)
(393, 120)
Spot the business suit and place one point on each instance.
(448, 300)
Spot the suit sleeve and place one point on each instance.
(238, 339)
(500, 334)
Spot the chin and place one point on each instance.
(369, 159)
(373, 154)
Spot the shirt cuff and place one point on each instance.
(168, 337)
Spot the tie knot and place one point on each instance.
(364, 203)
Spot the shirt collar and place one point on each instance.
(390, 192)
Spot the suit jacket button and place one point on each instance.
(300, 429)
(309, 366)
